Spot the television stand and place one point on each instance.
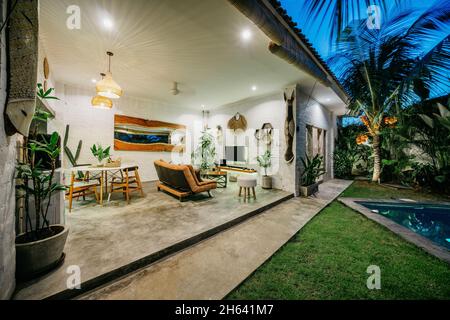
(236, 169)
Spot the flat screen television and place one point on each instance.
(235, 154)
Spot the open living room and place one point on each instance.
(164, 124)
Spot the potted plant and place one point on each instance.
(265, 161)
(41, 247)
(100, 153)
(312, 170)
(206, 152)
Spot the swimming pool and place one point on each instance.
(429, 220)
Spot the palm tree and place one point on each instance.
(387, 69)
(335, 15)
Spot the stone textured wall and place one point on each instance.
(7, 193)
(310, 112)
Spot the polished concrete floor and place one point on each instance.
(214, 267)
(103, 240)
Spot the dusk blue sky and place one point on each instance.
(319, 35)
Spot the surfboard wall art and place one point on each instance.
(135, 134)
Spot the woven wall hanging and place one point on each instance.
(238, 122)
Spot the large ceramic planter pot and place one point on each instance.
(266, 182)
(38, 257)
(310, 190)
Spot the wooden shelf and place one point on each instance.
(225, 168)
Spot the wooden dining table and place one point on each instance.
(102, 174)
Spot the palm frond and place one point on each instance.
(389, 67)
(335, 15)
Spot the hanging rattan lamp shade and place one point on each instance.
(102, 102)
(107, 87)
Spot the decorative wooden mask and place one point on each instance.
(23, 55)
(289, 128)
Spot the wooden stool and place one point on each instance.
(248, 184)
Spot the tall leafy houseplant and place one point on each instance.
(34, 180)
(37, 182)
(390, 68)
(206, 151)
(41, 245)
(265, 162)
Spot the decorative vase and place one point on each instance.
(38, 257)
(266, 182)
(100, 164)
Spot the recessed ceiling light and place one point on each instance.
(94, 80)
(254, 88)
(107, 23)
(246, 34)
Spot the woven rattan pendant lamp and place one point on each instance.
(102, 102)
(108, 87)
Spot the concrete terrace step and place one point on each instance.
(214, 267)
(155, 257)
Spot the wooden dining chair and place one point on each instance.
(81, 187)
(127, 182)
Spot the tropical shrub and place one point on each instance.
(312, 169)
(436, 144)
(343, 164)
(416, 152)
(348, 156)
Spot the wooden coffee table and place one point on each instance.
(218, 176)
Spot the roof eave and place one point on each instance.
(282, 16)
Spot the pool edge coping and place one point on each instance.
(406, 234)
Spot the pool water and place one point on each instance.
(429, 220)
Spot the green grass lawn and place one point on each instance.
(364, 189)
(328, 259)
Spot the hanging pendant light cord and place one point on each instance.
(110, 54)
